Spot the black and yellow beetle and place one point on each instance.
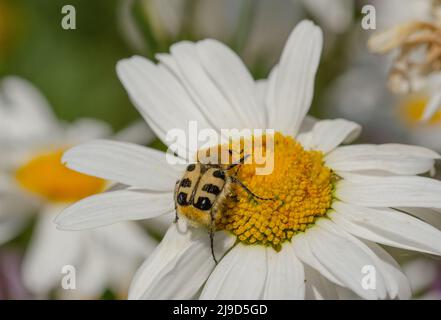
(202, 190)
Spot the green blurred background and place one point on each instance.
(74, 69)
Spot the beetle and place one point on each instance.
(201, 191)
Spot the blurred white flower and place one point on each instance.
(333, 15)
(360, 92)
(393, 12)
(263, 25)
(33, 180)
(415, 42)
(11, 282)
(424, 275)
(332, 204)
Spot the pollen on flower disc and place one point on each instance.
(300, 187)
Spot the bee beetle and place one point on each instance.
(201, 191)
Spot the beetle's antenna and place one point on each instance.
(236, 180)
(240, 161)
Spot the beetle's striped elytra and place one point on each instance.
(201, 192)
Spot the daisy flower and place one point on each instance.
(415, 42)
(332, 205)
(32, 179)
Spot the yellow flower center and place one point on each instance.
(45, 176)
(300, 187)
(413, 108)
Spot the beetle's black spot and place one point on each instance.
(203, 203)
(182, 199)
(191, 167)
(219, 174)
(211, 188)
(186, 183)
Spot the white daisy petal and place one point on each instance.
(346, 294)
(387, 226)
(239, 275)
(431, 216)
(126, 239)
(306, 139)
(6, 182)
(233, 79)
(326, 135)
(285, 279)
(341, 254)
(25, 105)
(318, 287)
(295, 76)
(394, 158)
(92, 275)
(110, 207)
(204, 89)
(160, 98)
(14, 215)
(390, 275)
(396, 280)
(179, 266)
(303, 251)
(394, 191)
(123, 162)
(50, 250)
(355, 177)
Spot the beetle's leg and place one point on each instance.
(212, 222)
(176, 203)
(236, 180)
